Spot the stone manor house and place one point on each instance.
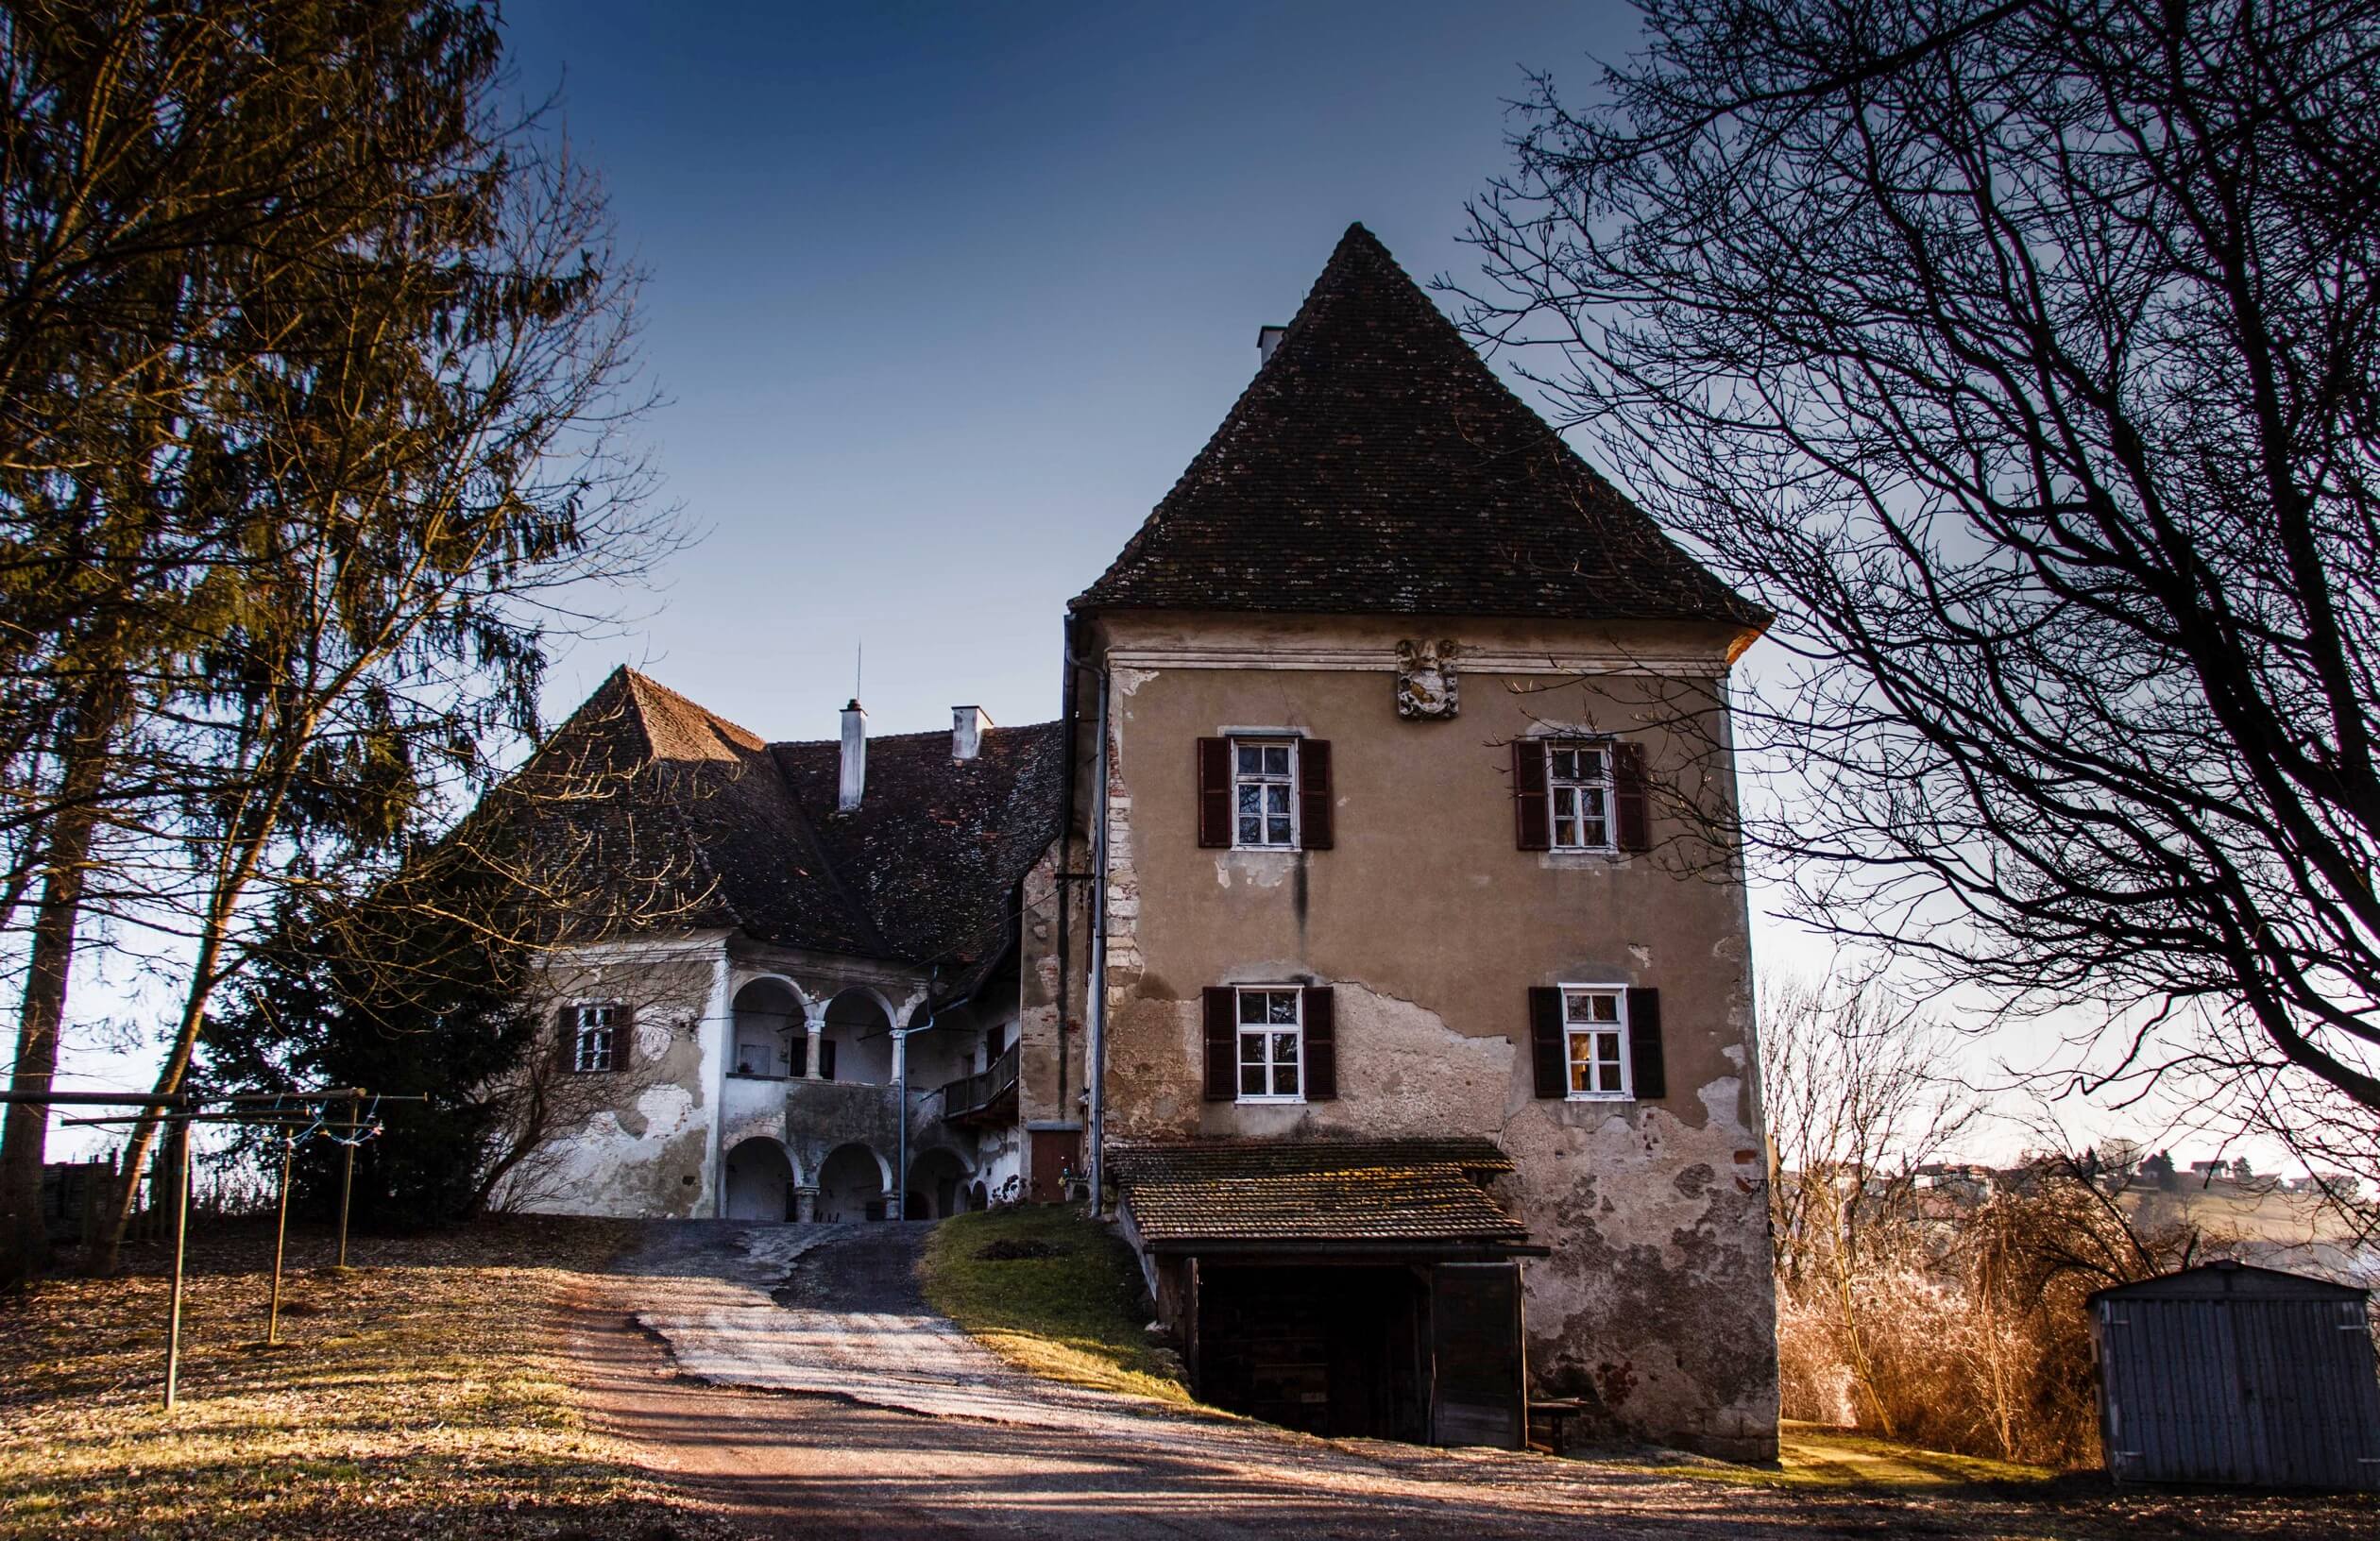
(1353, 936)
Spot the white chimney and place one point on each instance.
(1267, 338)
(966, 732)
(855, 757)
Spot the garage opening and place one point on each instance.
(1338, 1351)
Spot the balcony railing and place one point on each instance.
(986, 1094)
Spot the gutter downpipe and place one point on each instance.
(1094, 1048)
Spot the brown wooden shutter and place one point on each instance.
(1647, 1072)
(623, 1035)
(1532, 811)
(825, 1059)
(566, 1037)
(1629, 810)
(1322, 1044)
(1222, 1043)
(1215, 792)
(1549, 1055)
(1314, 794)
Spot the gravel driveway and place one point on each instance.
(796, 1376)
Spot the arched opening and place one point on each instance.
(851, 1185)
(978, 1197)
(759, 1182)
(937, 1185)
(771, 1036)
(859, 1044)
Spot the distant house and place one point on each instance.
(1363, 932)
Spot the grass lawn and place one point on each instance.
(1051, 1293)
(417, 1393)
(1815, 1455)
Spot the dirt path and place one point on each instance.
(796, 1376)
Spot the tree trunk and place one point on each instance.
(24, 1133)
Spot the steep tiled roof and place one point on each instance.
(1375, 465)
(935, 845)
(1315, 1191)
(726, 829)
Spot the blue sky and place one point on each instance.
(944, 297)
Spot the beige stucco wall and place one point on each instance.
(1657, 1302)
(637, 1141)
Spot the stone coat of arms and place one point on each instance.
(1426, 686)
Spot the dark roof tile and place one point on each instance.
(1375, 465)
(1315, 1191)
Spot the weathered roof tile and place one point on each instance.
(1375, 465)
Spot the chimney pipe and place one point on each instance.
(966, 732)
(855, 757)
(1267, 338)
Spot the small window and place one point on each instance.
(1265, 793)
(1578, 775)
(596, 1044)
(1595, 1029)
(759, 1051)
(1271, 1046)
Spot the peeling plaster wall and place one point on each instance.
(1657, 1305)
(1049, 1083)
(637, 1143)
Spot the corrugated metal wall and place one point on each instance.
(2264, 1392)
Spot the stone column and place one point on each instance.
(816, 1023)
(805, 1206)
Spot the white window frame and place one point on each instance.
(589, 1020)
(1617, 1030)
(1607, 784)
(1243, 1030)
(1264, 778)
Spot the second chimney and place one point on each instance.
(966, 732)
(855, 757)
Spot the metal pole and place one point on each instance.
(347, 1184)
(280, 1241)
(181, 1232)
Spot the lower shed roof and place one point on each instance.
(1237, 1192)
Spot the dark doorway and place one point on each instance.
(1338, 1351)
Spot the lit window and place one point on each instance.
(596, 1045)
(1579, 777)
(1271, 1045)
(1595, 1024)
(1264, 792)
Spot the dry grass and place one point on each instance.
(417, 1395)
(1064, 1313)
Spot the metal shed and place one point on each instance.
(2229, 1373)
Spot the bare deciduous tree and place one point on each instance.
(2025, 358)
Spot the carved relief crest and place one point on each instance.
(653, 1040)
(1426, 686)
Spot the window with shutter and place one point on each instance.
(1546, 1053)
(1648, 1075)
(1320, 1026)
(1220, 1021)
(1595, 1042)
(1215, 793)
(1271, 1044)
(1631, 809)
(1314, 794)
(1532, 824)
